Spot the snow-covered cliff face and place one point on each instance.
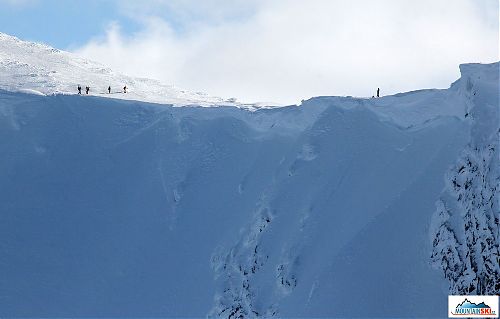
(465, 233)
(126, 208)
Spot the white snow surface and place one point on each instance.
(113, 208)
(36, 68)
(41, 68)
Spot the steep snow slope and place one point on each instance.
(42, 69)
(126, 208)
(113, 208)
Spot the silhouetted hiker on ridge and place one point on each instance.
(125, 89)
(109, 89)
(378, 92)
(87, 89)
(79, 89)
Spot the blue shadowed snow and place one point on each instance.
(119, 208)
(122, 208)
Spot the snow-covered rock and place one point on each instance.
(466, 232)
(112, 208)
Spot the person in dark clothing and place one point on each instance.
(109, 89)
(87, 89)
(79, 89)
(125, 89)
(378, 92)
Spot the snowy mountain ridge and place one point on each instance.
(338, 207)
(40, 69)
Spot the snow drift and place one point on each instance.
(126, 208)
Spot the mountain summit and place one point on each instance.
(38, 68)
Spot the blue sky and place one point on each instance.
(68, 24)
(62, 24)
(260, 50)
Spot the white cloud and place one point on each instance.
(288, 50)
